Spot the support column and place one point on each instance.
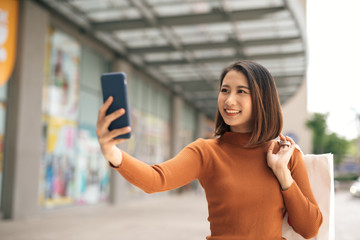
(200, 129)
(176, 126)
(23, 136)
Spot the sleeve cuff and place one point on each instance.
(122, 160)
(289, 189)
(113, 166)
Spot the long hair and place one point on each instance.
(266, 110)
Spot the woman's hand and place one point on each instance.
(278, 162)
(107, 138)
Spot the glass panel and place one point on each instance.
(142, 38)
(185, 8)
(208, 53)
(247, 36)
(233, 5)
(163, 56)
(114, 14)
(216, 28)
(93, 5)
(189, 124)
(3, 97)
(161, 2)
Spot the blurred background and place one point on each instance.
(53, 179)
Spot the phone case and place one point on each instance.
(115, 85)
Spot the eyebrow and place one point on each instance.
(240, 86)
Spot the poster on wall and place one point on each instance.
(60, 126)
(61, 90)
(92, 170)
(58, 163)
(8, 32)
(73, 170)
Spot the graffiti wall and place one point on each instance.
(72, 168)
(92, 171)
(60, 109)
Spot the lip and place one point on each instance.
(231, 112)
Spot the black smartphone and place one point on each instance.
(115, 85)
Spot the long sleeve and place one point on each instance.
(176, 172)
(304, 213)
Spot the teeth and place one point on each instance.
(231, 111)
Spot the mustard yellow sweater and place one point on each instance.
(245, 200)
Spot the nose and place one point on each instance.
(230, 100)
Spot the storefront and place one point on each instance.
(49, 152)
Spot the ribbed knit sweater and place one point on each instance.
(245, 200)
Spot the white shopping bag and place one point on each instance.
(321, 176)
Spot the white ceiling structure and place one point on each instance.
(185, 44)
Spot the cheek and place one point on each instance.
(220, 102)
(250, 108)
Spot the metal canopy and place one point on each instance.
(185, 44)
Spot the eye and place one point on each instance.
(224, 90)
(241, 91)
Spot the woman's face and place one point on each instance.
(234, 102)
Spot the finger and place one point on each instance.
(115, 115)
(103, 125)
(104, 108)
(282, 137)
(108, 136)
(271, 148)
(118, 141)
(291, 141)
(121, 131)
(115, 141)
(284, 143)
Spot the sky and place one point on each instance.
(333, 31)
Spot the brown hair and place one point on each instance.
(266, 109)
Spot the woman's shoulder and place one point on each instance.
(296, 158)
(205, 142)
(204, 145)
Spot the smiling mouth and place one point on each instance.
(232, 111)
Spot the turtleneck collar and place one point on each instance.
(234, 138)
(238, 139)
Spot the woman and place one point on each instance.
(249, 178)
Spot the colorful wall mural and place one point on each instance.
(73, 170)
(60, 110)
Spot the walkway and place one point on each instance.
(159, 217)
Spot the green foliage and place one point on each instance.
(336, 145)
(353, 149)
(317, 124)
(347, 177)
(324, 142)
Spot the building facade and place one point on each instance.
(50, 154)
